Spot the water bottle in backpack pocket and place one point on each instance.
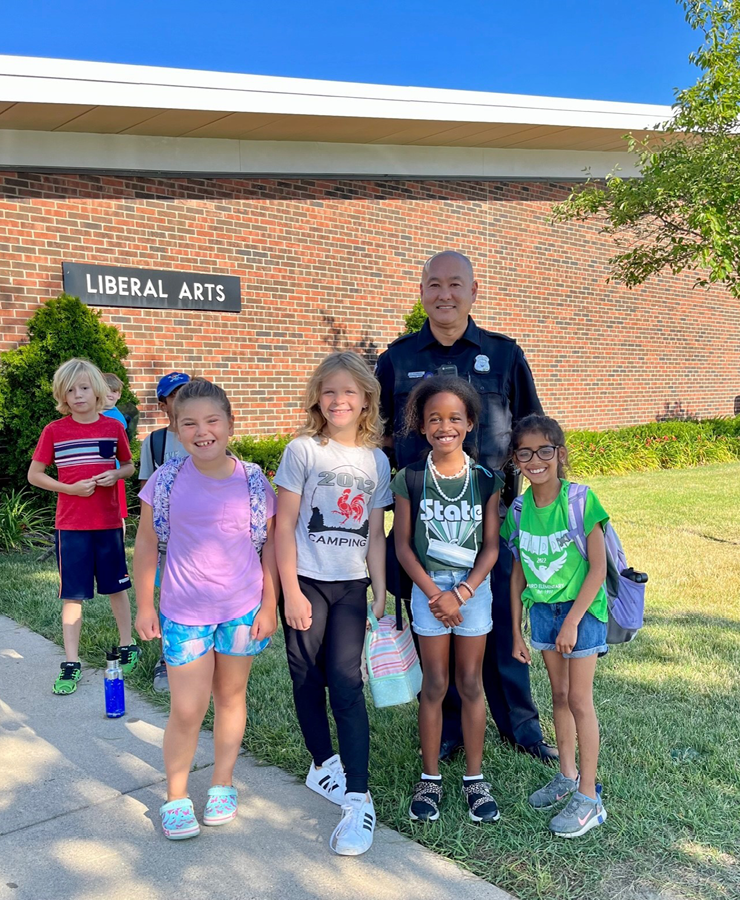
(625, 588)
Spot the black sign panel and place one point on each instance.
(151, 288)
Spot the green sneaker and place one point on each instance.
(130, 657)
(67, 679)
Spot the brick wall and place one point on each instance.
(333, 264)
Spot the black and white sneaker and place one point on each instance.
(354, 834)
(481, 805)
(328, 780)
(425, 802)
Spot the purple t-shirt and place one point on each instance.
(212, 572)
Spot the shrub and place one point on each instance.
(658, 445)
(57, 331)
(22, 524)
(266, 452)
(415, 319)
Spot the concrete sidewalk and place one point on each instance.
(79, 801)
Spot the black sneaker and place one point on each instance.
(481, 805)
(160, 682)
(425, 802)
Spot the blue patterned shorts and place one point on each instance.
(182, 644)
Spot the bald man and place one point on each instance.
(451, 343)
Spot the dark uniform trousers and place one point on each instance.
(497, 369)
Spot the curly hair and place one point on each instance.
(439, 384)
(370, 424)
(547, 427)
(201, 389)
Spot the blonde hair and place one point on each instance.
(69, 373)
(369, 425)
(113, 381)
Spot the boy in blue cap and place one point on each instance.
(163, 443)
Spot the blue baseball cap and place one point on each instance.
(168, 383)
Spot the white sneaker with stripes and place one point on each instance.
(354, 834)
(328, 780)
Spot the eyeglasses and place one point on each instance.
(545, 453)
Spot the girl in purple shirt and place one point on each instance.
(218, 600)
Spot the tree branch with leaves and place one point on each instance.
(683, 212)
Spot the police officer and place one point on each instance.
(450, 342)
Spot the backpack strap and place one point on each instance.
(516, 513)
(415, 475)
(165, 479)
(257, 505)
(577, 494)
(157, 446)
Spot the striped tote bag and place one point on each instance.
(393, 669)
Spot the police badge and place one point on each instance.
(482, 363)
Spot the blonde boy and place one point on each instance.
(84, 447)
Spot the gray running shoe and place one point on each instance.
(553, 792)
(579, 816)
(161, 683)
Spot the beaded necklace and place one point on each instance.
(434, 473)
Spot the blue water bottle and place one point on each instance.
(115, 704)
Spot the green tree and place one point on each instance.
(60, 329)
(415, 319)
(684, 210)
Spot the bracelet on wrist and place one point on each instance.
(457, 594)
(467, 588)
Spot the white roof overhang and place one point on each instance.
(143, 118)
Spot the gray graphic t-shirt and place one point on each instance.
(339, 486)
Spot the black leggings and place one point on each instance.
(328, 655)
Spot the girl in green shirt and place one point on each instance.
(565, 597)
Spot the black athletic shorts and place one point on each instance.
(85, 557)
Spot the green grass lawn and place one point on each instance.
(668, 706)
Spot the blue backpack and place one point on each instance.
(625, 596)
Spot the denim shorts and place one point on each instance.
(476, 612)
(182, 644)
(546, 620)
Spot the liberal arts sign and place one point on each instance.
(151, 289)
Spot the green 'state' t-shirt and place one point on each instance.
(459, 523)
(553, 568)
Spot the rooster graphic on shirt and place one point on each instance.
(340, 507)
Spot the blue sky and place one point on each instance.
(633, 50)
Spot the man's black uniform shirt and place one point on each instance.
(493, 363)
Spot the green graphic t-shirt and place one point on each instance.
(441, 523)
(553, 567)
